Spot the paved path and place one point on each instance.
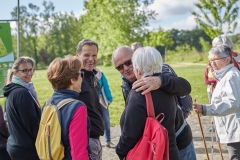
(109, 154)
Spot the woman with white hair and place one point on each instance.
(147, 61)
(224, 39)
(225, 102)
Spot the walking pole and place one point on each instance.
(220, 150)
(212, 137)
(219, 145)
(205, 146)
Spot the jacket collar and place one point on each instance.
(221, 73)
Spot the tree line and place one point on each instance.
(46, 34)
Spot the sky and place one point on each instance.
(171, 13)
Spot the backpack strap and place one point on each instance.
(63, 102)
(149, 105)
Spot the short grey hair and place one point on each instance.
(147, 60)
(85, 42)
(137, 44)
(222, 39)
(121, 49)
(222, 50)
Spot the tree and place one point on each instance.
(159, 38)
(112, 23)
(216, 13)
(28, 30)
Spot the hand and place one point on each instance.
(147, 84)
(109, 103)
(197, 108)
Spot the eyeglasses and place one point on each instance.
(81, 73)
(121, 66)
(26, 71)
(217, 59)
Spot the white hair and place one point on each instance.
(147, 60)
(222, 39)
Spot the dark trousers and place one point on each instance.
(234, 150)
(24, 158)
(4, 154)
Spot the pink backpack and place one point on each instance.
(236, 60)
(154, 143)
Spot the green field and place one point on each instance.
(190, 71)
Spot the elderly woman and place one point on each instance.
(225, 102)
(224, 39)
(146, 61)
(66, 78)
(22, 110)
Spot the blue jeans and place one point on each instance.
(106, 120)
(188, 153)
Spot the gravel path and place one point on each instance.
(109, 153)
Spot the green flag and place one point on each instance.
(6, 52)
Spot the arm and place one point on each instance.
(225, 100)
(78, 135)
(153, 83)
(106, 88)
(134, 121)
(3, 127)
(175, 85)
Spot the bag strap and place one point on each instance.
(149, 105)
(63, 102)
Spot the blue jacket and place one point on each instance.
(104, 84)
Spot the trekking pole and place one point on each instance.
(212, 137)
(220, 150)
(219, 145)
(200, 124)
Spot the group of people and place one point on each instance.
(83, 121)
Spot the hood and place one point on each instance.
(9, 88)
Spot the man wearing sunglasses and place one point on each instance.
(87, 51)
(167, 81)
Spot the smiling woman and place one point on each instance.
(22, 110)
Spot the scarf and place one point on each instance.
(29, 85)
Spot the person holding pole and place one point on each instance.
(225, 102)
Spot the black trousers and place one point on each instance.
(4, 154)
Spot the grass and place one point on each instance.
(190, 71)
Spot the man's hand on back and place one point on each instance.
(147, 84)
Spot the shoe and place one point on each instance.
(110, 145)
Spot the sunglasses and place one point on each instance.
(121, 66)
(81, 73)
(26, 71)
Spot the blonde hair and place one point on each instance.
(16, 65)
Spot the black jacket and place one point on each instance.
(89, 96)
(176, 86)
(23, 116)
(3, 130)
(134, 117)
